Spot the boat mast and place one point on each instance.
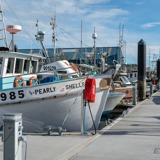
(54, 38)
(3, 35)
(81, 37)
(40, 37)
(121, 43)
(94, 36)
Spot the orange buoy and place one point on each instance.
(18, 80)
(74, 67)
(33, 78)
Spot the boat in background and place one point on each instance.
(122, 84)
(113, 100)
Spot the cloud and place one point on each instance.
(109, 13)
(150, 25)
(93, 1)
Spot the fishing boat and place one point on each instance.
(46, 98)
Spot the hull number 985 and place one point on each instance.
(12, 95)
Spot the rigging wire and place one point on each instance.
(71, 107)
(19, 21)
(60, 29)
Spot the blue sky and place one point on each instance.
(140, 18)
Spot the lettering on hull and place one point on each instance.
(43, 91)
(75, 85)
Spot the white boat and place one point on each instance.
(113, 100)
(55, 102)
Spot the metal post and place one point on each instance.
(134, 91)
(12, 132)
(82, 113)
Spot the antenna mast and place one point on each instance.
(54, 38)
(40, 37)
(3, 35)
(121, 43)
(94, 36)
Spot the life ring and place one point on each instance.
(74, 67)
(32, 79)
(18, 81)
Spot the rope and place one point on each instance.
(70, 109)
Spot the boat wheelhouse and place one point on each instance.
(13, 64)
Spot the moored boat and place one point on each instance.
(56, 102)
(113, 100)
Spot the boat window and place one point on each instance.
(64, 77)
(124, 79)
(74, 76)
(62, 72)
(1, 60)
(33, 68)
(26, 66)
(10, 65)
(19, 66)
(135, 75)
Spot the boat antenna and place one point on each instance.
(94, 36)
(40, 37)
(2, 27)
(81, 37)
(13, 29)
(54, 38)
(121, 43)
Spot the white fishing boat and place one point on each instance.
(46, 98)
(113, 100)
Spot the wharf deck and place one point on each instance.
(134, 136)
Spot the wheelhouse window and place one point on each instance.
(10, 65)
(26, 66)
(19, 65)
(33, 67)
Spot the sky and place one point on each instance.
(77, 19)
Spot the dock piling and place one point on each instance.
(158, 72)
(141, 70)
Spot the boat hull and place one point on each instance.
(113, 99)
(59, 107)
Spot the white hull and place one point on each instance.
(51, 104)
(113, 99)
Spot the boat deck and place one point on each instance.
(134, 136)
